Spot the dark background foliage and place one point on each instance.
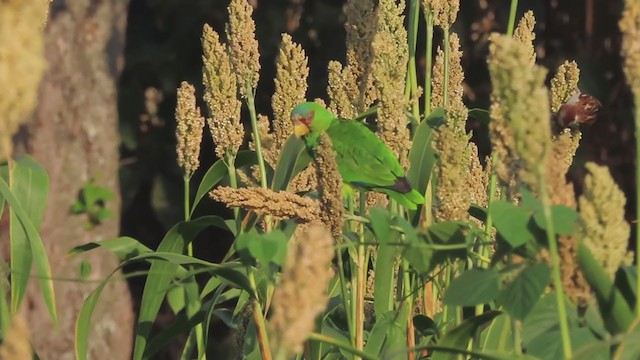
(163, 49)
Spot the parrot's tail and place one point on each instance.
(409, 200)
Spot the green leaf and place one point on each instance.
(161, 273)
(293, 159)
(548, 345)
(629, 349)
(422, 157)
(27, 196)
(543, 318)
(458, 337)
(83, 322)
(263, 248)
(385, 259)
(218, 171)
(520, 296)
(211, 178)
(511, 222)
(425, 326)
(176, 299)
(498, 336)
(615, 310)
(473, 287)
(379, 332)
(123, 247)
(563, 217)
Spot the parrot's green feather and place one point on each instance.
(364, 161)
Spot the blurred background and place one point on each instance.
(130, 57)
(163, 48)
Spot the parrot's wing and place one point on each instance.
(363, 159)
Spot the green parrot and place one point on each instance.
(364, 161)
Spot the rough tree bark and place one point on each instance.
(73, 133)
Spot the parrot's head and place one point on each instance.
(310, 118)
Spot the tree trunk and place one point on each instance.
(73, 134)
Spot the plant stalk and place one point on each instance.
(258, 318)
(637, 121)
(199, 330)
(428, 62)
(555, 271)
(512, 17)
(412, 76)
(361, 277)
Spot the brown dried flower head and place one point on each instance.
(291, 86)
(602, 225)
(630, 27)
(451, 139)
(243, 46)
(221, 96)
(445, 12)
(188, 129)
(302, 294)
(389, 72)
(524, 33)
(329, 187)
(520, 129)
(280, 205)
(564, 84)
(350, 88)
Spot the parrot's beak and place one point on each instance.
(300, 130)
(300, 127)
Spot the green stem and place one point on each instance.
(555, 270)
(517, 336)
(258, 318)
(199, 330)
(345, 296)
(512, 17)
(637, 120)
(485, 247)
(428, 62)
(361, 277)
(414, 16)
(256, 138)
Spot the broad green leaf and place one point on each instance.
(180, 325)
(473, 287)
(176, 299)
(263, 248)
(123, 247)
(218, 171)
(379, 332)
(626, 281)
(422, 157)
(564, 219)
(548, 345)
(161, 273)
(498, 336)
(293, 159)
(385, 260)
(458, 337)
(629, 349)
(396, 338)
(543, 318)
(520, 296)
(511, 222)
(27, 196)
